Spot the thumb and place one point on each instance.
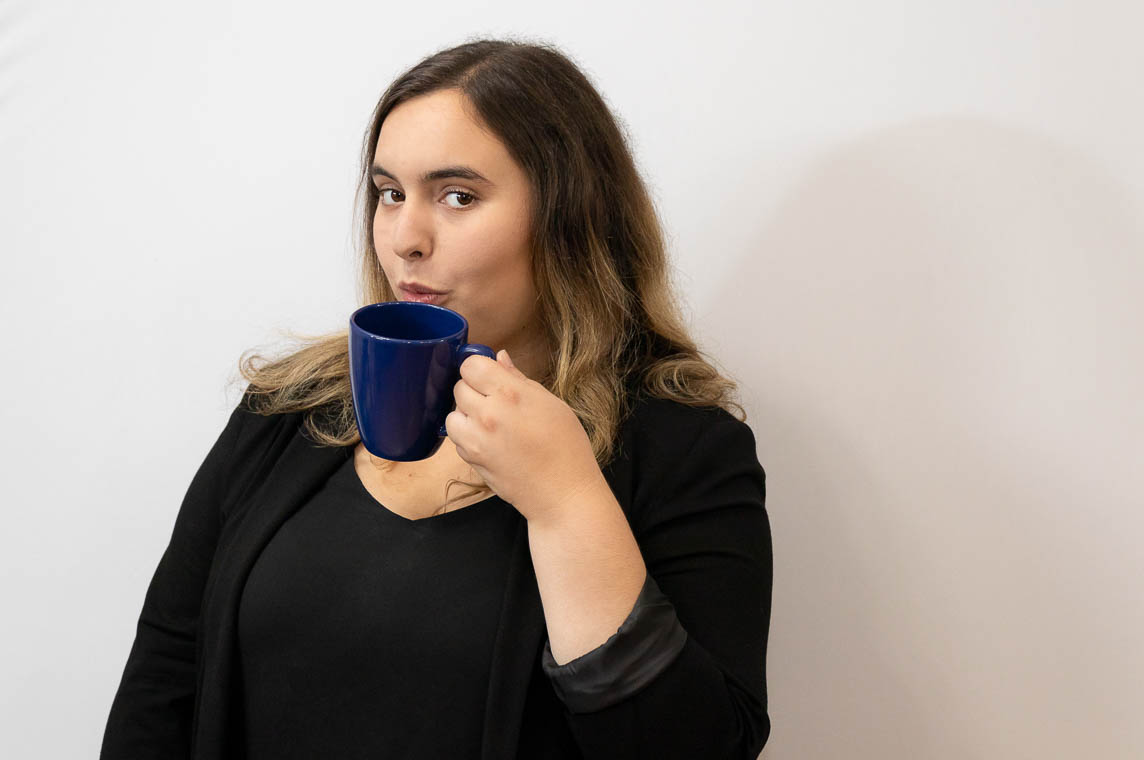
(506, 360)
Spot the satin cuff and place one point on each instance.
(646, 643)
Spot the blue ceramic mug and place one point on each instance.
(405, 358)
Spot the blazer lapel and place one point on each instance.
(519, 639)
(300, 471)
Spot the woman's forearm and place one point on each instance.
(589, 571)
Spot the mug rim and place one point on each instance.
(383, 304)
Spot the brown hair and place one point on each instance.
(599, 257)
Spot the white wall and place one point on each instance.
(913, 231)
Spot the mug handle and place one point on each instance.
(465, 351)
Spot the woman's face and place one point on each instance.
(453, 216)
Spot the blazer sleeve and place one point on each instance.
(151, 714)
(685, 675)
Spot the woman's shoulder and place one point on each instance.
(660, 437)
(677, 458)
(249, 417)
(675, 423)
(251, 428)
(250, 446)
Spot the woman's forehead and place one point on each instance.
(430, 132)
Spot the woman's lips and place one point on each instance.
(434, 298)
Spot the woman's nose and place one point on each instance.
(412, 231)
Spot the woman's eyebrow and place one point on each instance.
(447, 172)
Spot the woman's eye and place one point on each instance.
(461, 194)
(464, 199)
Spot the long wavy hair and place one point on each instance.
(599, 258)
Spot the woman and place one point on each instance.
(601, 590)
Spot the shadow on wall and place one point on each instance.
(943, 362)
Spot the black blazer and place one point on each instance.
(689, 482)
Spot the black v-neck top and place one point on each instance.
(359, 627)
(363, 634)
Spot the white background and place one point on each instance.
(912, 231)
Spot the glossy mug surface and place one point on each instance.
(405, 358)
